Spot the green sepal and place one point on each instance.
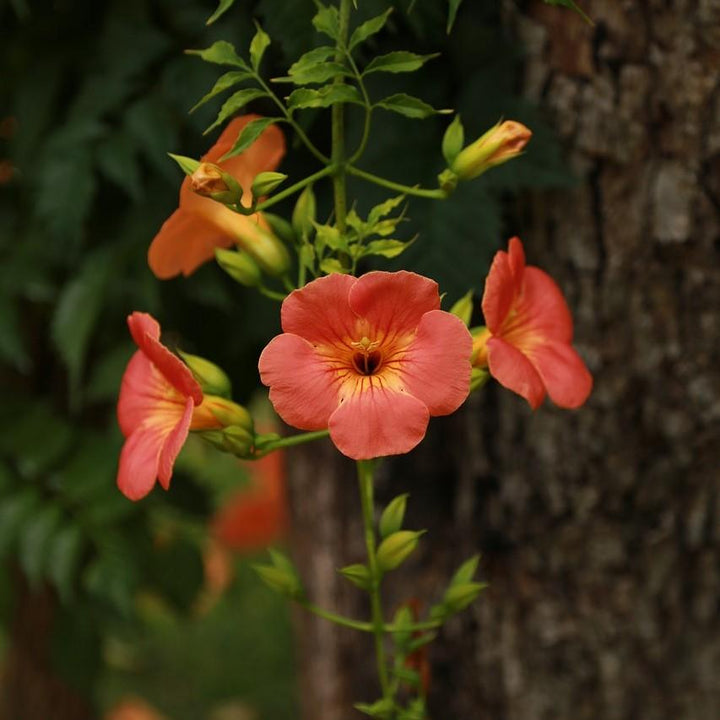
(187, 165)
(463, 308)
(478, 378)
(392, 517)
(453, 140)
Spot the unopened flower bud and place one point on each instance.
(239, 266)
(498, 145)
(303, 215)
(266, 182)
(238, 440)
(479, 357)
(212, 181)
(212, 379)
(218, 412)
(266, 249)
(395, 548)
(463, 308)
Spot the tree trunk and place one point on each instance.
(30, 688)
(600, 529)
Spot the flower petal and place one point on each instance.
(499, 292)
(303, 386)
(173, 444)
(516, 258)
(139, 460)
(145, 331)
(563, 372)
(543, 308)
(319, 312)
(436, 368)
(146, 397)
(513, 370)
(185, 241)
(263, 155)
(377, 421)
(394, 302)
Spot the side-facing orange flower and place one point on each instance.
(188, 238)
(527, 345)
(160, 402)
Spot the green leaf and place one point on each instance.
(382, 709)
(35, 541)
(452, 12)
(13, 512)
(408, 106)
(117, 159)
(327, 21)
(78, 309)
(224, 82)
(458, 597)
(258, 46)
(315, 72)
(330, 236)
(573, 6)
(463, 307)
(387, 248)
(249, 134)
(384, 208)
(236, 102)
(392, 517)
(368, 28)
(187, 164)
(398, 62)
(331, 265)
(223, 6)
(12, 347)
(221, 53)
(323, 97)
(466, 571)
(63, 560)
(396, 548)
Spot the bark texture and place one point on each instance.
(600, 528)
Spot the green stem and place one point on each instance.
(294, 188)
(272, 294)
(337, 619)
(338, 124)
(365, 478)
(368, 109)
(299, 439)
(437, 194)
(288, 117)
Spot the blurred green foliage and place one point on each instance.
(93, 97)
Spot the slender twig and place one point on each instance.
(294, 188)
(437, 194)
(298, 439)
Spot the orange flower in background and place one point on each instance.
(256, 516)
(132, 708)
(200, 224)
(527, 345)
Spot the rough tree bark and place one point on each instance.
(601, 528)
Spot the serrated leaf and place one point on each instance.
(573, 6)
(327, 21)
(221, 53)
(407, 105)
(380, 709)
(34, 541)
(368, 28)
(329, 236)
(319, 72)
(397, 62)
(63, 560)
(258, 46)
(187, 164)
(387, 248)
(236, 102)
(331, 265)
(306, 256)
(13, 511)
(77, 311)
(222, 8)
(411, 677)
(323, 97)
(249, 134)
(452, 12)
(384, 208)
(312, 58)
(224, 82)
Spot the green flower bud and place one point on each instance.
(358, 575)
(281, 580)
(266, 182)
(458, 597)
(303, 215)
(212, 379)
(453, 140)
(392, 518)
(238, 440)
(395, 548)
(239, 266)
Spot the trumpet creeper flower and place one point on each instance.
(527, 345)
(369, 358)
(200, 224)
(159, 402)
